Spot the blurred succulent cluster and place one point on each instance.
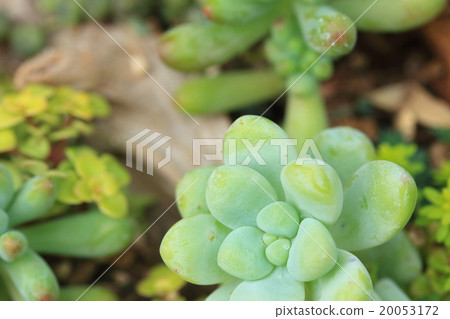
(36, 119)
(304, 37)
(285, 231)
(45, 184)
(402, 154)
(161, 284)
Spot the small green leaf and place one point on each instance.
(8, 140)
(115, 206)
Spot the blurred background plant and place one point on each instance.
(41, 177)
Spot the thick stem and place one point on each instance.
(305, 113)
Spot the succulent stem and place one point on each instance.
(305, 111)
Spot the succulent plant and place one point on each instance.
(89, 178)
(283, 226)
(161, 284)
(304, 38)
(88, 235)
(38, 117)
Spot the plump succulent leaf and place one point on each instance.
(251, 132)
(236, 11)
(223, 293)
(314, 188)
(13, 244)
(242, 254)
(86, 235)
(345, 149)
(31, 277)
(388, 290)
(278, 251)
(313, 251)
(4, 221)
(398, 259)
(6, 187)
(192, 47)
(190, 192)
(279, 285)
(378, 202)
(327, 30)
(235, 195)
(190, 249)
(388, 15)
(33, 201)
(347, 281)
(278, 219)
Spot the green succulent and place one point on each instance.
(436, 214)
(161, 284)
(302, 38)
(434, 283)
(442, 175)
(25, 232)
(35, 119)
(283, 227)
(90, 178)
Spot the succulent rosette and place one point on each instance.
(272, 224)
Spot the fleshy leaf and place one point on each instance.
(313, 251)
(314, 188)
(378, 202)
(242, 254)
(279, 219)
(223, 293)
(278, 251)
(279, 285)
(190, 192)
(350, 283)
(190, 249)
(235, 195)
(251, 132)
(388, 290)
(345, 149)
(397, 259)
(6, 187)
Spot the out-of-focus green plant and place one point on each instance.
(283, 226)
(88, 234)
(401, 154)
(89, 178)
(35, 119)
(95, 293)
(161, 284)
(442, 175)
(434, 284)
(304, 38)
(435, 216)
(42, 176)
